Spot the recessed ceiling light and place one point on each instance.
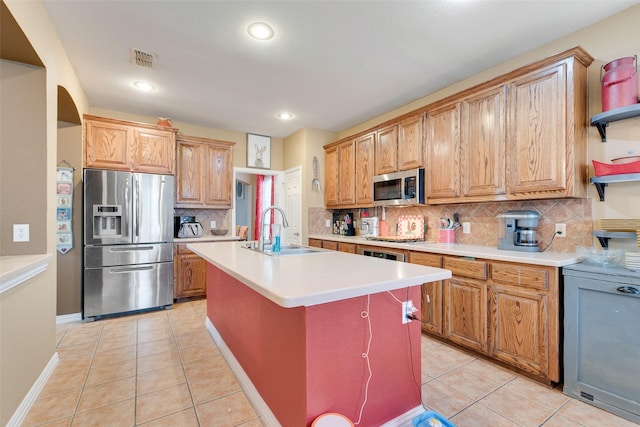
(146, 86)
(260, 31)
(285, 116)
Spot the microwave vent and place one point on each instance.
(141, 58)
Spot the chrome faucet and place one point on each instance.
(264, 214)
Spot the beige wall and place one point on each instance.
(27, 312)
(299, 149)
(69, 265)
(606, 40)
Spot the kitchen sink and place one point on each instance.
(289, 250)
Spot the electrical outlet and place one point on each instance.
(466, 228)
(328, 223)
(213, 225)
(407, 309)
(561, 230)
(20, 232)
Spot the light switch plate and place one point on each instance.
(213, 225)
(466, 228)
(20, 232)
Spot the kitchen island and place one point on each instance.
(320, 332)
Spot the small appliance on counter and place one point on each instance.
(369, 226)
(186, 226)
(517, 230)
(343, 224)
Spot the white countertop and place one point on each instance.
(205, 238)
(548, 258)
(17, 269)
(316, 278)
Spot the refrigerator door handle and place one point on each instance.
(139, 248)
(130, 269)
(137, 219)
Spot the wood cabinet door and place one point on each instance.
(155, 151)
(465, 312)
(190, 278)
(411, 143)
(518, 328)
(315, 243)
(189, 184)
(107, 145)
(537, 148)
(386, 150)
(431, 313)
(483, 143)
(443, 152)
(331, 177)
(346, 173)
(365, 146)
(217, 176)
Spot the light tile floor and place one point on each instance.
(163, 369)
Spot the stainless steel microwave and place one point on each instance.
(399, 188)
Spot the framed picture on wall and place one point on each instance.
(258, 151)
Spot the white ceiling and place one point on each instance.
(333, 64)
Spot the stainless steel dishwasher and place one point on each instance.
(602, 338)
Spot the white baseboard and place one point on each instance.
(259, 405)
(26, 404)
(68, 318)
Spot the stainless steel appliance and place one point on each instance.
(601, 341)
(517, 231)
(369, 226)
(128, 242)
(399, 188)
(381, 253)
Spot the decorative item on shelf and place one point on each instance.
(604, 169)
(619, 83)
(164, 121)
(258, 151)
(219, 232)
(629, 158)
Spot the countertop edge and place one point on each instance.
(549, 259)
(17, 269)
(316, 298)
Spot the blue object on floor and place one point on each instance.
(431, 419)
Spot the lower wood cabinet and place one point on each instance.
(316, 243)
(431, 294)
(189, 274)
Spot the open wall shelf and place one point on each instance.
(604, 236)
(601, 181)
(602, 120)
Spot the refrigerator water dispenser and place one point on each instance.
(107, 220)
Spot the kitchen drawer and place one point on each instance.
(429, 260)
(520, 275)
(466, 267)
(331, 245)
(316, 243)
(349, 248)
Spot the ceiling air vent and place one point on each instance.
(141, 58)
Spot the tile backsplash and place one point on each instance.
(222, 217)
(575, 213)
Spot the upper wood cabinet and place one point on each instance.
(443, 155)
(346, 174)
(547, 132)
(204, 173)
(349, 183)
(364, 164)
(128, 146)
(411, 142)
(331, 172)
(387, 150)
(483, 143)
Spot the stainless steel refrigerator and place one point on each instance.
(128, 242)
